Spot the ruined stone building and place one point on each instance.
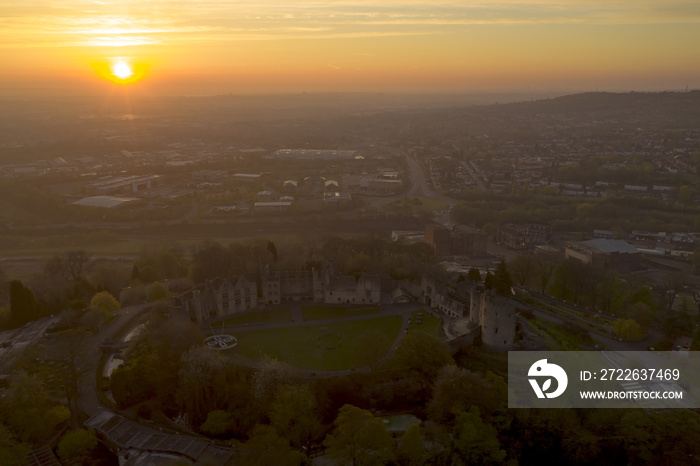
(222, 298)
(481, 312)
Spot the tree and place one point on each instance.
(359, 438)
(76, 262)
(629, 329)
(641, 313)
(475, 442)
(522, 268)
(152, 363)
(543, 269)
(160, 260)
(11, 451)
(293, 414)
(573, 280)
(201, 384)
(423, 353)
(488, 280)
(272, 249)
(502, 281)
(266, 447)
(695, 343)
(673, 283)
(104, 302)
(695, 260)
(457, 389)
(210, 260)
(110, 278)
(148, 274)
(271, 375)
(135, 273)
(70, 265)
(411, 450)
(581, 447)
(219, 424)
(676, 324)
(640, 436)
(23, 305)
(69, 344)
(474, 275)
(76, 446)
(158, 292)
(29, 411)
(4, 287)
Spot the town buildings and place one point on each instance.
(523, 237)
(463, 240)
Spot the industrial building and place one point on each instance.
(605, 254)
(307, 154)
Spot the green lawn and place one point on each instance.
(333, 312)
(322, 347)
(430, 324)
(414, 205)
(273, 316)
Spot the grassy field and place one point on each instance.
(334, 312)
(323, 347)
(430, 324)
(273, 316)
(414, 205)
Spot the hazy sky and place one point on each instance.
(222, 46)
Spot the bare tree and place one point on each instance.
(76, 263)
(70, 266)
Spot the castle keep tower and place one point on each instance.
(497, 321)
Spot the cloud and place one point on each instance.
(134, 22)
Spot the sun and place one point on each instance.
(122, 70)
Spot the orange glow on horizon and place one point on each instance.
(179, 47)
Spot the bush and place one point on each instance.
(76, 446)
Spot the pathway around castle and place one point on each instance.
(88, 357)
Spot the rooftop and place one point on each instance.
(107, 202)
(609, 246)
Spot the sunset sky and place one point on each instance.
(222, 46)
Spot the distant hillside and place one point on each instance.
(656, 109)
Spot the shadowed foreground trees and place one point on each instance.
(293, 414)
(457, 389)
(76, 446)
(265, 446)
(423, 353)
(24, 307)
(28, 410)
(475, 441)
(359, 438)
